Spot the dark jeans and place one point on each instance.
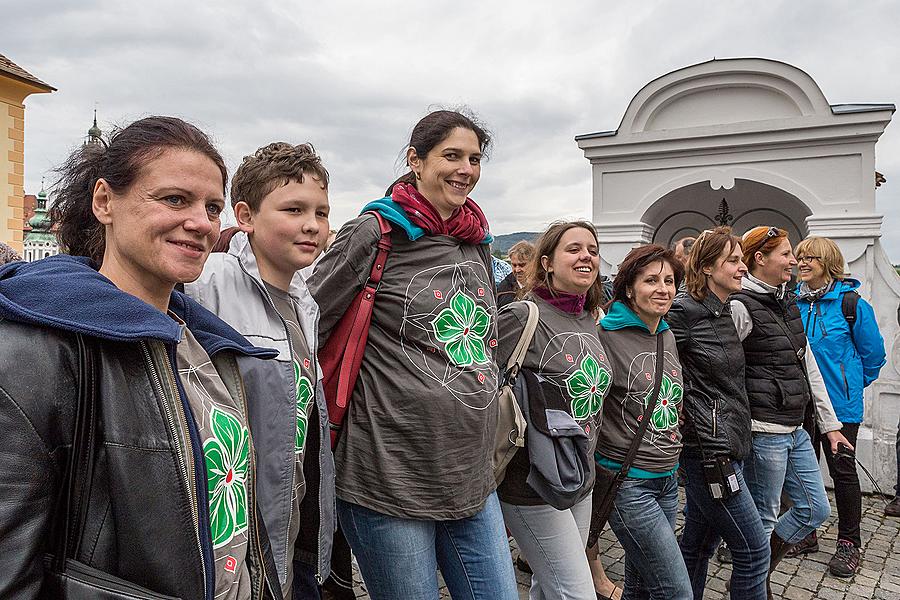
(847, 493)
(734, 520)
(305, 586)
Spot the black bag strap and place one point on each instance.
(849, 300)
(76, 485)
(651, 406)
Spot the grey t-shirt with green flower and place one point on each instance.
(568, 355)
(225, 439)
(633, 358)
(419, 432)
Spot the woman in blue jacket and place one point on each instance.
(849, 349)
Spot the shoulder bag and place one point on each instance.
(342, 355)
(510, 434)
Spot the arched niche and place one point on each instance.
(688, 210)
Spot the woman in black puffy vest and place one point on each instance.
(784, 386)
(716, 420)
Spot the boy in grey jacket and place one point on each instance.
(280, 199)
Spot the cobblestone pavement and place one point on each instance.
(803, 578)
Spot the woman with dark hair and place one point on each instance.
(646, 505)
(844, 337)
(415, 483)
(784, 386)
(572, 367)
(716, 420)
(169, 495)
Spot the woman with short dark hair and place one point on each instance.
(716, 420)
(170, 504)
(415, 483)
(646, 505)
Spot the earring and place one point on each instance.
(418, 176)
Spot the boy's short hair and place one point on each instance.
(272, 166)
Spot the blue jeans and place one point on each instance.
(643, 519)
(735, 520)
(787, 460)
(399, 558)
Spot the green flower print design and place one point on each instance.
(304, 397)
(227, 455)
(462, 327)
(665, 415)
(586, 388)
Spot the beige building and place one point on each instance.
(16, 84)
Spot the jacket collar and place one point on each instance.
(837, 288)
(752, 284)
(240, 248)
(622, 317)
(68, 293)
(714, 305)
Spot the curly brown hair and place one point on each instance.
(272, 166)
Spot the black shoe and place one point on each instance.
(723, 554)
(523, 565)
(893, 507)
(807, 545)
(845, 561)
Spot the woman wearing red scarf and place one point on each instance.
(415, 484)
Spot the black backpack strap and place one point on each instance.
(849, 300)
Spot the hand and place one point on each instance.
(837, 439)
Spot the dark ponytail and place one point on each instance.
(433, 129)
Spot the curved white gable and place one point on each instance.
(721, 92)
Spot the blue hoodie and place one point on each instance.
(847, 365)
(67, 293)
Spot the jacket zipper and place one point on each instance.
(180, 452)
(260, 557)
(265, 293)
(715, 419)
(846, 383)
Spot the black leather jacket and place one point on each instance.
(716, 410)
(142, 522)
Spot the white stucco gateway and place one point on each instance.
(748, 142)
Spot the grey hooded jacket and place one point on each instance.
(231, 287)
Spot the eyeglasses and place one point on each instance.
(808, 259)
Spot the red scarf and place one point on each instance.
(570, 303)
(467, 223)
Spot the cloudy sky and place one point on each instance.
(354, 77)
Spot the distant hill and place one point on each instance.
(503, 243)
